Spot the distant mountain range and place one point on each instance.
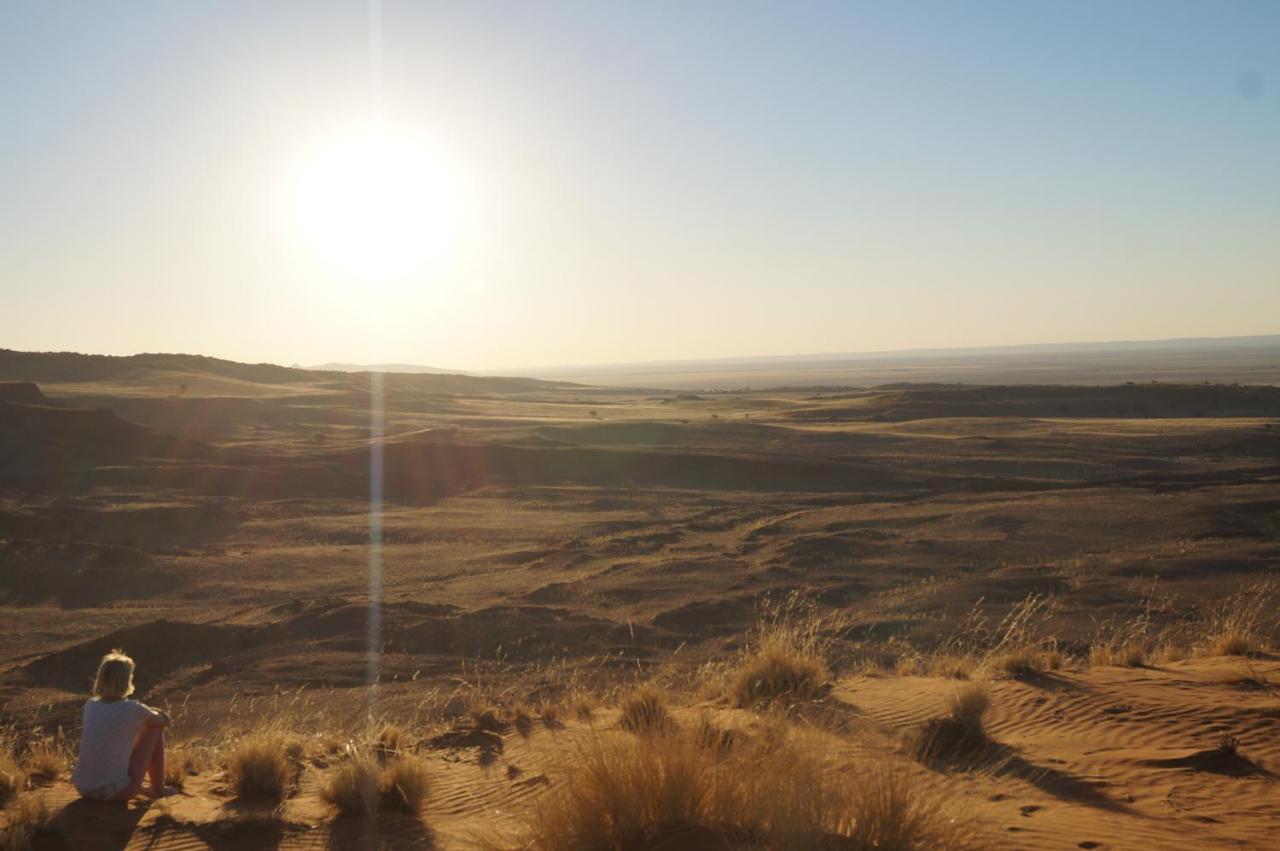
(414, 368)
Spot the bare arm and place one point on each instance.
(155, 717)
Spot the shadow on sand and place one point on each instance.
(93, 824)
(379, 832)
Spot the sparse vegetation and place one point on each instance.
(11, 777)
(261, 766)
(1244, 622)
(361, 785)
(22, 822)
(354, 785)
(487, 719)
(960, 733)
(627, 793)
(644, 710)
(405, 785)
(46, 759)
(1132, 654)
(785, 660)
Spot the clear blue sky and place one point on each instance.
(646, 180)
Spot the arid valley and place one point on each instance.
(548, 552)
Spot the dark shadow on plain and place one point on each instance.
(379, 832)
(944, 744)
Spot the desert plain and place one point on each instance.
(493, 576)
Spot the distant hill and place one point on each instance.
(199, 375)
(413, 369)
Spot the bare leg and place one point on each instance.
(149, 743)
(155, 768)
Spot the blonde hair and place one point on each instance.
(115, 677)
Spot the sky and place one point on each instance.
(634, 181)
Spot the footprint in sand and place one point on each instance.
(1029, 809)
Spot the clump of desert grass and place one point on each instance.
(46, 758)
(549, 713)
(960, 732)
(388, 741)
(953, 666)
(1016, 649)
(582, 707)
(363, 784)
(522, 720)
(487, 719)
(1128, 654)
(785, 659)
(1028, 660)
(681, 789)
(12, 779)
(26, 819)
(261, 766)
(1239, 626)
(644, 710)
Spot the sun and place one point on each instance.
(376, 202)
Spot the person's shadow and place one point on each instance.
(97, 825)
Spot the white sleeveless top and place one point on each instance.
(110, 728)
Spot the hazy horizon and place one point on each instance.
(575, 184)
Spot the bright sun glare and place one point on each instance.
(375, 202)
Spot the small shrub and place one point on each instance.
(261, 765)
(645, 711)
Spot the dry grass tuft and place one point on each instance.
(670, 790)
(11, 777)
(405, 785)
(261, 766)
(550, 715)
(363, 786)
(487, 719)
(522, 720)
(1130, 654)
(583, 708)
(1238, 626)
(969, 704)
(785, 661)
(645, 711)
(353, 787)
(960, 733)
(1233, 642)
(46, 759)
(1028, 661)
(390, 739)
(181, 763)
(23, 822)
